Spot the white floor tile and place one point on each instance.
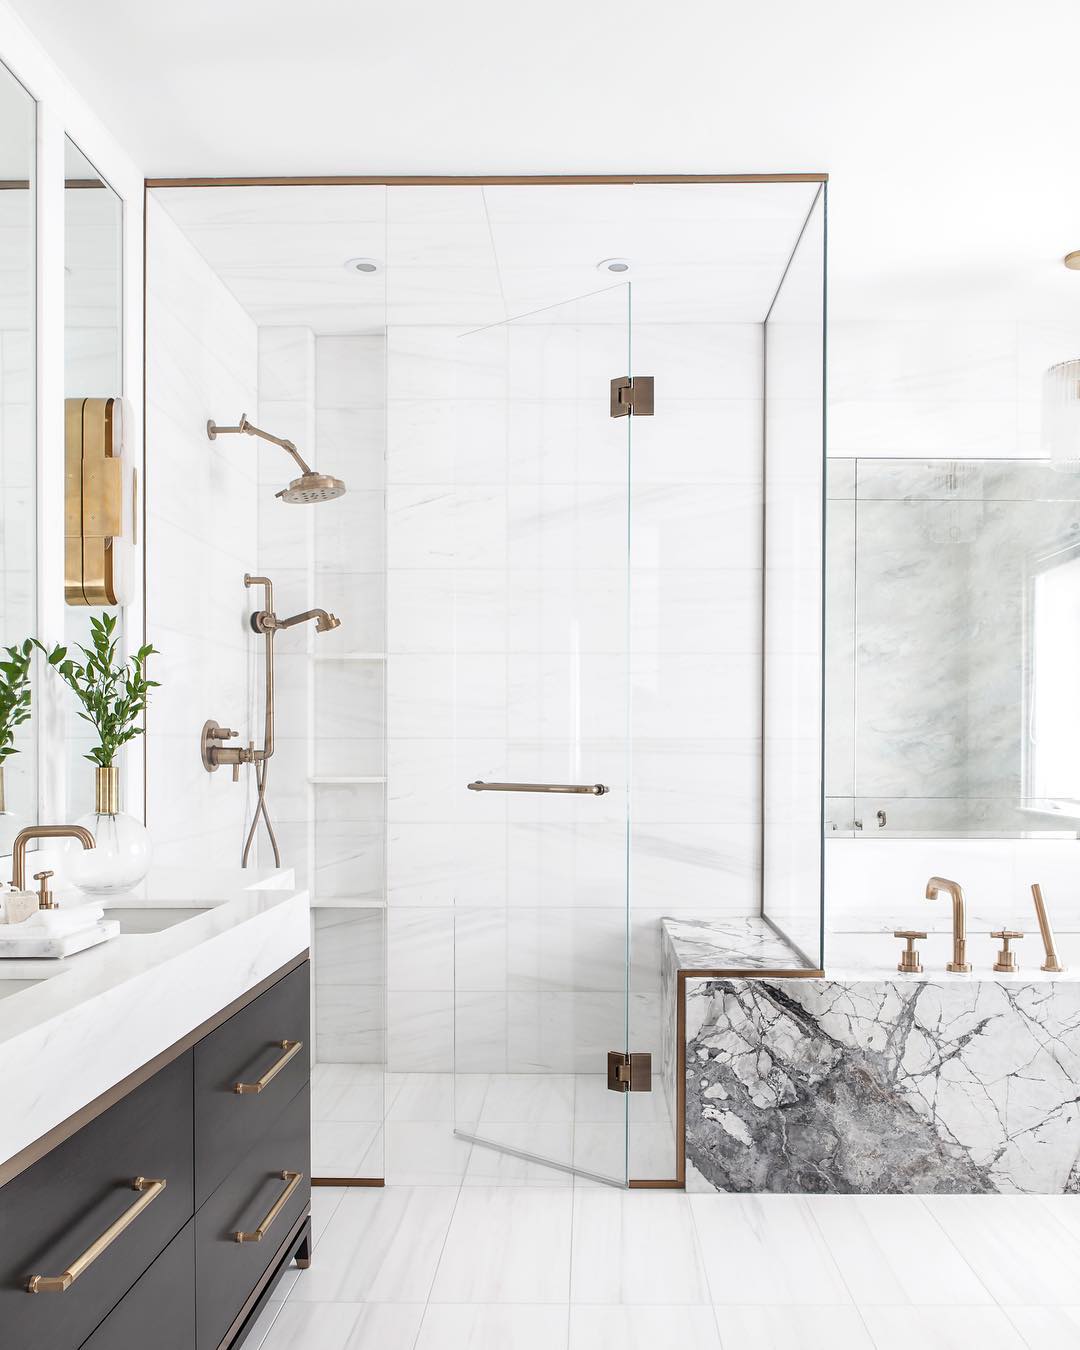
(957, 1328)
(789, 1328)
(1047, 1328)
(507, 1246)
(324, 1203)
(423, 1153)
(493, 1167)
(380, 1246)
(347, 1092)
(493, 1326)
(529, 1098)
(345, 1326)
(890, 1249)
(635, 1247)
(765, 1249)
(643, 1328)
(1014, 1245)
(340, 1148)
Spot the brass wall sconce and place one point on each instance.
(99, 503)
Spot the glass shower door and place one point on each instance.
(540, 750)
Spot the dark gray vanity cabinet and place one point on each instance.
(166, 1220)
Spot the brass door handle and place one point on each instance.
(294, 1179)
(291, 1048)
(151, 1188)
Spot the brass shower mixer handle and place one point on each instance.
(1006, 959)
(909, 963)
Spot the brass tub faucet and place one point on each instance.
(959, 964)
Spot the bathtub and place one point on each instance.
(863, 1080)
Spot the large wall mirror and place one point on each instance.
(953, 649)
(18, 458)
(93, 370)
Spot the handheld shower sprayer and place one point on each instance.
(215, 753)
(309, 487)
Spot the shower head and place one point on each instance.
(326, 623)
(309, 487)
(312, 487)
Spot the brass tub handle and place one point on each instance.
(587, 789)
(291, 1048)
(151, 1188)
(294, 1179)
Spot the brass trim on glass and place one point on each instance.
(633, 394)
(291, 1048)
(1052, 963)
(293, 1179)
(629, 1072)
(150, 1188)
(586, 789)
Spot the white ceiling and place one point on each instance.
(948, 126)
(469, 256)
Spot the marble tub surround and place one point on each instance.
(867, 1084)
(72, 1029)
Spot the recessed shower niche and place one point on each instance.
(582, 502)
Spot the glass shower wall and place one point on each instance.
(540, 672)
(792, 679)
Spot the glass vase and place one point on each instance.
(122, 856)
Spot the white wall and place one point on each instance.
(943, 389)
(202, 536)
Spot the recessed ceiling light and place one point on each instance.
(613, 265)
(1072, 261)
(362, 265)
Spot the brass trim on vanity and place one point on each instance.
(291, 1049)
(32, 1153)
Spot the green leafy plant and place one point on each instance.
(113, 695)
(14, 695)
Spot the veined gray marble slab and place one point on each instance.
(729, 944)
(924, 1085)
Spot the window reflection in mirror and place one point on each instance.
(93, 368)
(18, 457)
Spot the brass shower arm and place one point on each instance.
(249, 429)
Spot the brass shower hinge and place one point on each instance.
(629, 1072)
(632, 394)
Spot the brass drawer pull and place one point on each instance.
(291, 1048)
(151, 1188)
(294, 1179)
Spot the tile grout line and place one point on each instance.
(955, 1246)
(840, 1271)
(438, 1263)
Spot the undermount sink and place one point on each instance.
(152, 918)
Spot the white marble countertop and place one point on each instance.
(89, 1020)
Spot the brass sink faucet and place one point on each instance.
(959, 963)
(18, 848)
